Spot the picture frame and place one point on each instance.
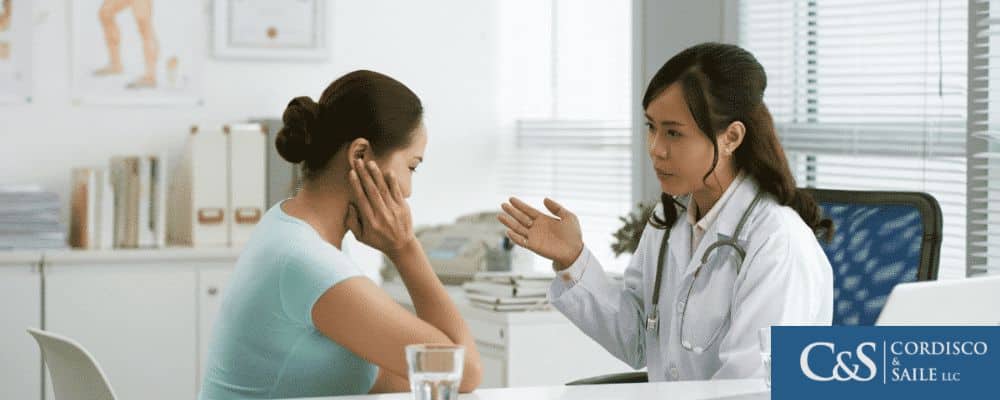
(268, 30)
(156, 60)
(16, 27)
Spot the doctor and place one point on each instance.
(732, 247)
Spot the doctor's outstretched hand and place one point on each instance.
(556, 238)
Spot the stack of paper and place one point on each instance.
(507, 291)
(29, 219)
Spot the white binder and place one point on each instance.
(247, 179)
(200, 191)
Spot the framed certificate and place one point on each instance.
(269, 29)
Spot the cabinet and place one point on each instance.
(21, 307)
(136, 320)
(139, 313)
(212, 283)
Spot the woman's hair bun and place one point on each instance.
(300, 119)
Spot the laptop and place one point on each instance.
(970, 301)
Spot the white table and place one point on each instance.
(743, 389)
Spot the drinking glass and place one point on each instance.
(435, 370)
(764, 337)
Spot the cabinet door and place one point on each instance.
(555, 353)
(212, 283)
(21, 307)
(494, 368)
(137, 320)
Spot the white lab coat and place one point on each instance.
(785, 279)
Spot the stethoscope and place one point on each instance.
(653, 318)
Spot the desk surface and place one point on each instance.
(743, 389)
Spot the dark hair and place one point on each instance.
(722, 84)
(361, 104)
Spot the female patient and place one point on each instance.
(299, 319)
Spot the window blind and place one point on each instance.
(584, 165)
(984, 129)
(567, 112)
(870, 95)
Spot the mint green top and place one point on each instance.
(264, 343)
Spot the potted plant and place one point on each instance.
(627, 237)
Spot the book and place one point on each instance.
(105, 210)
(125, 181)
(515, 277)
(144, 223)
(503, 289)
(151, 222)
(487, 299)
(511, 307)
(82, 208)
(158, 208)
(91, 209)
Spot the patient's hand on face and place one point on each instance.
(378, 214)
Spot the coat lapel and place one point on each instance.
(723, 227)
(680, 244)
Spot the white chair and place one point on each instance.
(75, 374)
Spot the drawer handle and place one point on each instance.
(247, 215)
(210, 216)
(212, 291)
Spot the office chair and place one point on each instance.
(75, 374)
(626, 377)
(880, 239)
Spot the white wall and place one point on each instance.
(445, 50)
(583, 89)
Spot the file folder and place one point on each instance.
(200, 190)
(247, 179)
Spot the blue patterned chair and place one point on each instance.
(880, 239)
